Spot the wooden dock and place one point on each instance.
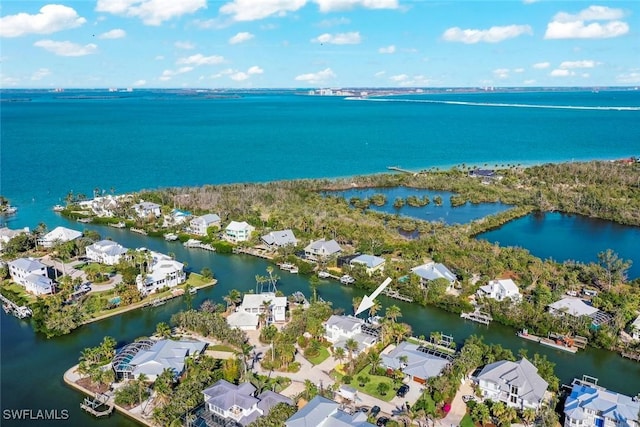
(478, 317)
(93, 406)
(391, 293)
(559, 342)
(10, 307)
(138, 230)
(399, 169)
(632, 356)
(252, 252)
(193, 243)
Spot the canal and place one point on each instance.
(32, 366)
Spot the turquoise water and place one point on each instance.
(565, 237)
(431, 212)
(52, 145)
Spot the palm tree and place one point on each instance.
(141, 384)
(163, 330)
(356, 303)
(352, 346)
(392, 313)
(374, 358)
(338, 354)
(375, 308)
(232, 298)
(528, 415)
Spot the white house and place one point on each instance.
(7, 234)
(500, 289)
(58, 235)
(163, 272)
(371, 263)
(32, 274)
(247, 315)
(200, 224)
(516, 384)
(432, 271)
(592, 405)
(575, 307)
(147, 209)
(238, 231)
(105, 252)
(226, 401)
(322, 412)
(635, 329)
(279, 239)
(339, 329)
(413, 362)
(322, 249)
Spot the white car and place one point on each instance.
(468, 398)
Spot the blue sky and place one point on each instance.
(318, 43)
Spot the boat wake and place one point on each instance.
(493, 104)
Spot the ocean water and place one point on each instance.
(79, 140)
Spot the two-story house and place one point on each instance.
(105, 252)
(432, 271)
(237, 232)
(163, 271)
(200, 224)
(371, 263)
(500, 290)
(516, 384)
(279, 239)
(247, 315)
(590, 405)
(340, 329)
(322, 249)
(7, 234)
(32, 274)
(147, 209)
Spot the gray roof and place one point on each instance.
(207, 219)
(322, 245)
(522, 374)
(573, 306)
(108, 247)
(345, 323)
(433, 271)
(165, 354)
(27, 264)
(620, 408)
(269, 399)
(225, 395)
(371, 261)
(41, 282)
(280, 238)
(419, 364)
(322, 412)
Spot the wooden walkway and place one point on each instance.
(399, 169)
(396, 295)
(478, 317)
(252, 252)
(11, 307)
(93, 406)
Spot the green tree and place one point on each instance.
(383, 388)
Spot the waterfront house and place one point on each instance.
(339, 329)
(500, 290)
(105, 252)
(163, 271)
(104, 206)
(7, 234)
(416, 362)
(432, 271)
(279, 239)
(151, 357)
(247, 315)
(32, 275)
(635, 329)
(577, 308)
(516, 384)
(322, 249)
(238, 231)
(591, 405)
(322, 412)
(230, 404)
(200, 224)
(58, 235)
(147, 209)
(371, 263)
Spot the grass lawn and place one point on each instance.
(17, 293)
(321, 357)
(371, 387)
(196, 280)
(466, 421)
(220, 347)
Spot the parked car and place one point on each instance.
(468, 398)
(403, 390)
(375, 411)
(382, 421)
(363, 409)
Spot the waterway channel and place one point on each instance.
(32, 366)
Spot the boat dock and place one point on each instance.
(99, 406)
(391, 293)
(632, 356)
(253, 252)
(117, 224)
(10, 307)
(138, 230)
(327, 275)
(399, 169)
(560, 343)
(193, 243)
(478, 317)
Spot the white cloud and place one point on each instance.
(241, 37)
(255, 70)
(239, 76)
(529, 82)
(518, 70)
(140, 82)
(578, 26)
(339, 38)
(168, 74)
(541, 65)
(380, 74)
(631, 77)
(252, 10)
(184, 45)
(334, 5)
(114, 34)
(333, 22)
(52, 18)
(388, 49)
(561, 73)
(492, 35)
(319, 77)
(200, 59)
(399, 78)
(406, 80)
(66, 48)
(40, 74)
(6, 81)
(577, 64)
(151, 12)
(501, 73)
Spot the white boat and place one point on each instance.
(347, 280)
(323, 274)
(170, 237)
(58, 208)
(10, 210)
(291, 268)
(193, 291)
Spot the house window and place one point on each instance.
(514, 390)
(513, 398)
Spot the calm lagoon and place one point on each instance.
(565, 237)
(430, 212)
